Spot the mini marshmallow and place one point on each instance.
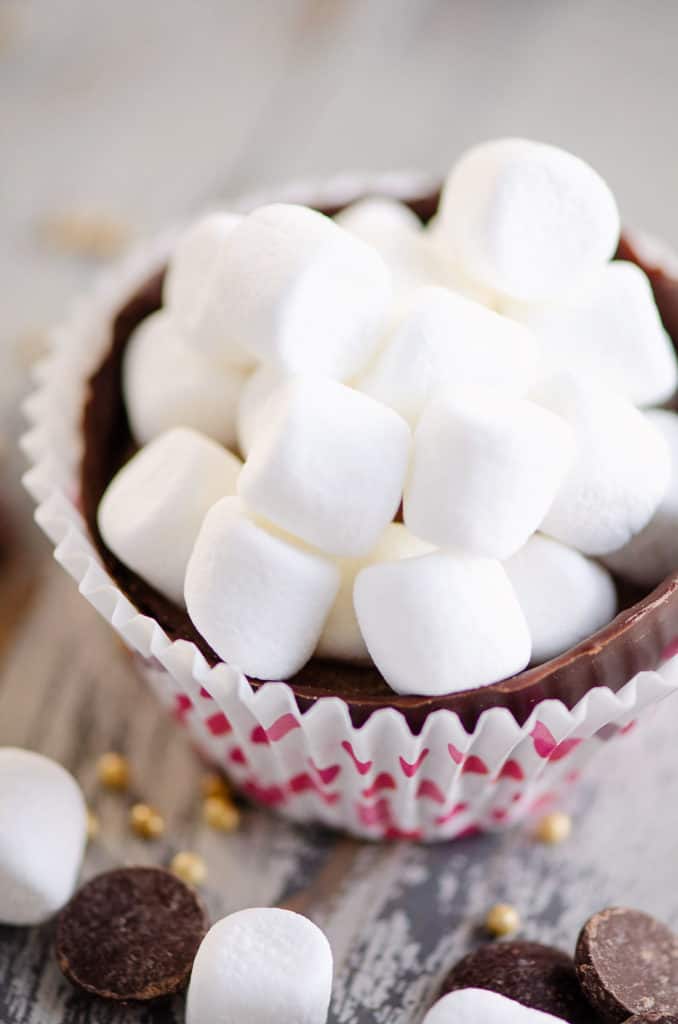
(257, 598)
(43, 831)
(153, 508)
(263, 966)
(166, 383)
(480, 1006)
(329, 467)
(303, 294)
(441, 623)
(341, 637)
(485, 472)
(192, 291)
(253, 407)
(619, 474)
(653, 553)
(448, 343)
(611, 331)
(564, 595)
(528, 220)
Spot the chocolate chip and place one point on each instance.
(537, 976)
(131, 935)
(627, 963)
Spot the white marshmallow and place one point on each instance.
(257, 598)
(262, 966)
(152, 510)
(43, 831)
(485, 472)
(564, 595)
(329, 467)
(620, 472)
(528, 220)
(341, 637)
(441, 623)
(167, 383)
(192, 289)
(302, 293)
(253, 408)
(653, 553)
(611, 331)
(447, 343)
(480, 1006)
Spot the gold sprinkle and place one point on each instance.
(502, 919)
(113, 771)
(85, 232)
(146, 822)
(213, 784)
(221, 814)
(554, 828)
(31, 345)
(92, 826)
(189, 867)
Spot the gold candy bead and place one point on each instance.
(221, 814)
(554, 828)
(189, 867)
(502, 919)
(213, 784)
(92, 826)
(146, 822)
(113, 771)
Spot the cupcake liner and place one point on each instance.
(376, 781)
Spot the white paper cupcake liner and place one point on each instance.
(377, 781)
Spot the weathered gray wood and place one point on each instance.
(147, 110)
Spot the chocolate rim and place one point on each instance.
(634, 641)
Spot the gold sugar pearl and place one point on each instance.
(92, 826)
(113, 771)
(189, 867)
(85, 232)
(146, 822)
(221, 814)
(214, 785)
(554, 828)
(502, 919)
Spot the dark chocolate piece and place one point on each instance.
(131, 935)
(633, 642)
(627, 963)
(653, 1018)
(537, 976)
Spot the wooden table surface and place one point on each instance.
(115, 118)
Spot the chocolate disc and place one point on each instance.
(537, 976)
(131, 934)
(627, 963)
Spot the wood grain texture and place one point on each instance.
(146, 111)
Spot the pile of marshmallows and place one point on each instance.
(488, 372)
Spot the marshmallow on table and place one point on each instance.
(253, 407)
(341, 637)
(152, 510)
(612, 331)
(446, 342)
(528, 220)
(261, 966)
(43, 831)
(480, 1006)
(328, 467)
(191, 290)
(620, 471)
(167, 383)
(485, 472)
(259, 600)
(564, 595)
(441, 623)
(653, 553)
(303, 294)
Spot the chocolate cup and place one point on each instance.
(634, 641)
